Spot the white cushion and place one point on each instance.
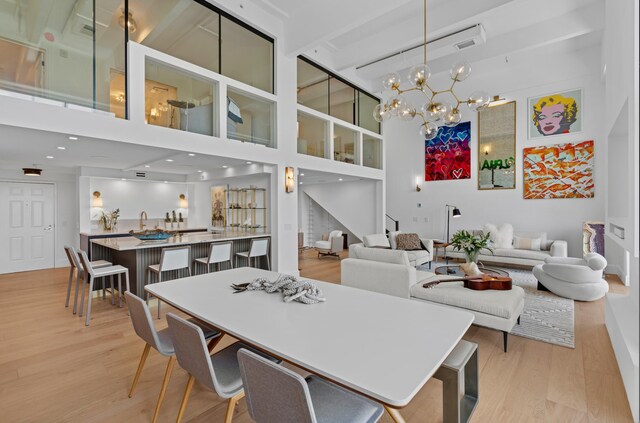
(501, 236)
(376, 240)
(418, 256)
(502, 304)
(527, 243)
(525, 254)
(392, 239)
(595, 261)
(335, 234)
(323, 245)
(544, 242)
(381, 255)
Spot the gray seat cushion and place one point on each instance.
(503, 304)
(334, 404)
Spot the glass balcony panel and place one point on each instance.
(366, 104)
(342, 100)
(345, 145)
(246, 56)
(371, 152)
(249, 118)
(313, 87)
(312, 135)
(179, 100)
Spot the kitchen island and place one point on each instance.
(137, 255)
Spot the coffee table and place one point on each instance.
(455, 270)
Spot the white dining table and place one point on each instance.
(380, 346)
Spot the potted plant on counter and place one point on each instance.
(110, 220)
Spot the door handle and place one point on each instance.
(49, 228)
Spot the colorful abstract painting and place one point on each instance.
(448, 155)
(559, 171)
(555, 114)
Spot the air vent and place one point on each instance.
(86, 30)
(141, 175)
(465, 44)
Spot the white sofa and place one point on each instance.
(576, 278)
(517, 256)
(390, 272)
(381, 242)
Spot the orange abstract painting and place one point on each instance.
(559, 171)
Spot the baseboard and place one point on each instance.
(614, 269)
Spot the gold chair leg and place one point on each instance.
(163, 389)
(395, 414)
(231, 407)
(185, 398)
(145, 353)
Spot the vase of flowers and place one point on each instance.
(470, 244)
(110, 220)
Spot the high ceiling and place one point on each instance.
(357, 32)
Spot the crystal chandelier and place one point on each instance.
(436, 111)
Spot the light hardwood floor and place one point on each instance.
(54, 369)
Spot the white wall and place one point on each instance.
(66, 210)
(526, 74)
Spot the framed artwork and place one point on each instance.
(558, 171)
(448, 155)
(219, 206)
(555, 114)
(593, 238)
(497, 147)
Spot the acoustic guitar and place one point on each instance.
(478, 283)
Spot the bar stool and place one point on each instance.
(218, 253)
(101, 272)
(172, 259)
(76, 267)
(160, 341)
(257, 248)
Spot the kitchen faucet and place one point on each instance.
(143, 218)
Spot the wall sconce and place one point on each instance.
(289, 182)
(97, 199)
(184, 203)
(418, 188)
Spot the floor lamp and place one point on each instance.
(456, 213)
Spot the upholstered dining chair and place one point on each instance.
(172, 259)
(76, 267)
(219, 252)
(101, 272)
(277, 394)
(218, 372)
(160, 341)
(257, 248)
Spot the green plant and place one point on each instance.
(109, 220)
(471, 244)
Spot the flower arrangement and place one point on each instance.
(109, 220)
(470, 244)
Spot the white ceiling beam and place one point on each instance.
(309, 27)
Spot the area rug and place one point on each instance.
(546, 317)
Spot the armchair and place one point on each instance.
(331, 246)
(575, 278)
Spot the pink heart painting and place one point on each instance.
(448, 155)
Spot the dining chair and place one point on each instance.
(257, 248)
(172, 259)
(277, 394)
(219, 252)
(101, 272)
(76, 268)
(218, 372)
(160, 341)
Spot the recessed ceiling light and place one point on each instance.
(169, 160)
(50, 157)
(192, 155)
(123, 179)
(62, 148)
(73, 138)
(300, 183)
(166, 182)
(199, 171)
(225, 166)
(302, 174)
(249, 162)
(340, 179)
(147, 166)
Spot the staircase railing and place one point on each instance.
(396, 223)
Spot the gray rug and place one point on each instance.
(546, 317)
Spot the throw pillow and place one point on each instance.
(392, 239)
(376, 241)
(527, 243)
(501, 236)
(408, 242)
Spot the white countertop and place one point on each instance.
(379, 345)
(131, 243)
(124, 231)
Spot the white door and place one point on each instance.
(26, 226)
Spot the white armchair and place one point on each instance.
(331, 246)
(575, 278)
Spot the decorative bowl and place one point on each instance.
(151, 235)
